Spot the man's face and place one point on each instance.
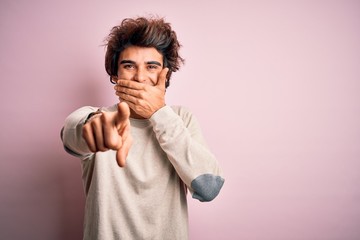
(141, 64)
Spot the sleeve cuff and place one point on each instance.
(163, 116)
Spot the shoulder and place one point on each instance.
(184, 113)
(181, 110)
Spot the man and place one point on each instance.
(140, 156)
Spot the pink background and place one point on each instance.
(275, 85)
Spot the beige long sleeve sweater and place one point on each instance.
(147, 198)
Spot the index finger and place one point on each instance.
(131, 84)
(123, 113)
(114, 123)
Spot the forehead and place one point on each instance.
(141, 54)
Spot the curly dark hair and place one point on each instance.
(143, 32)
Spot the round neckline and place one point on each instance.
(139, 122)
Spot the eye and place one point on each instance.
(128, 66)
(153, 67)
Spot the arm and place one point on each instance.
(106, 130)
(71, 133)
(180, 137)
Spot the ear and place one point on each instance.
(113, 79)
(162, 79)
(168, 75)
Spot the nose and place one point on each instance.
(140, 75)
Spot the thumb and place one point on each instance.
(122, 153)
(162, 77)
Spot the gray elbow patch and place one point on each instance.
(206, 187)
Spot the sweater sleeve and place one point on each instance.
(179, 135)
(71, 133)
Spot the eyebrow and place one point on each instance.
(132, 62)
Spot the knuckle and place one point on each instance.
(93, 124)
(105, 115)
(142, 95)
(138, 102)
(103, 149)
(86, 129)
(114, 145)
(137, 108)
(105, 118)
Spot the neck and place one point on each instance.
(135, 115)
